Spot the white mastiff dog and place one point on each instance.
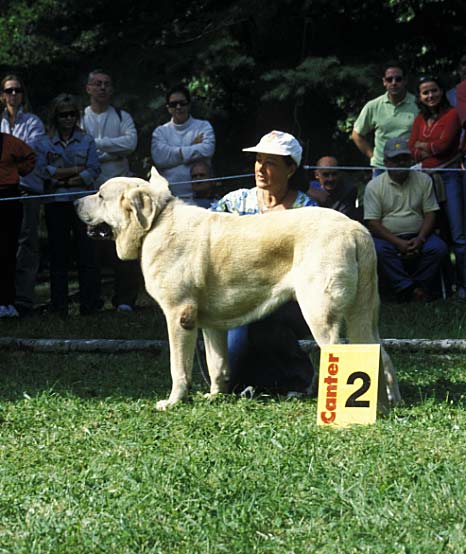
(216, 271)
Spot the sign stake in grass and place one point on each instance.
(350, 380)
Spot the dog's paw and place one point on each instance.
(163, 405)
(216, 396)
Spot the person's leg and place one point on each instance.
(10, 224)
(427, 271)
(57, 220)
(240, 356)
(455, 207)
(127, 280)
(391, 264)
(28, 255)
(275, 339)
(88, 269)
(266, 354)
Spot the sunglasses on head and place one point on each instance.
(396, 78)
(12, 90)
(174, 104)
(65, 115)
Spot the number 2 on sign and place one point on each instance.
(347, 396)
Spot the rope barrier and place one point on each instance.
(244, 176)
(104, 346)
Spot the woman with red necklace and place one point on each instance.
(434, 143)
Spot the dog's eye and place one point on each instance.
(99, 196)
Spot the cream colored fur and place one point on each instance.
(216, 271)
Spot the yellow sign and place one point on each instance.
(348, 384)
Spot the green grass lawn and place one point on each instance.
(88, 465)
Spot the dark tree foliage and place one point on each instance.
(306, 66)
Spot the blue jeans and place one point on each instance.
(266, 354)
(455, 207)
(406, 272)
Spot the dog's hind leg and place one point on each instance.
(362, 317)
(323, 321)
(362, 328)
(215, 341)
(182, 334)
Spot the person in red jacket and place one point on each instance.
(434, 143)
(16, 160)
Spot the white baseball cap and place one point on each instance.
(279, 143)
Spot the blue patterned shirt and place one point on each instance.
(245, 202)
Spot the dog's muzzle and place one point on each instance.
(100, 232)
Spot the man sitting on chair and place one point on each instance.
(399, 208)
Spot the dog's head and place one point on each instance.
(124, 209)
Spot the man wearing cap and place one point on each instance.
(387, 116)
(399, 208)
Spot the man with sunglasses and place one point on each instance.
(387, 116)
(180, 142)
(116, 139)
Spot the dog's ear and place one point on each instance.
(157, 180)
(141, 204)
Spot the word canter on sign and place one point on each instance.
(331, 393)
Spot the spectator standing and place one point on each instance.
(68, 161)
(434, 143)
(400, 207)
(17, 120)
(16, 160)
(389, 115)
(330, 190)
(180, 142)
(115, 137)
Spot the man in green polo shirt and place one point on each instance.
(387, 116)
(400, 210)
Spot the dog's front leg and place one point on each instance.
(182, 338)
(215, 342)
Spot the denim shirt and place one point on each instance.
(53, 154)
(28, 128)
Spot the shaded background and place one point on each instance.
(252, 65)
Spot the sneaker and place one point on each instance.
(124, 308)
(4, 311)
(248, 393)
(12, 311)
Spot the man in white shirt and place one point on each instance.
(116, 138)
(180, 142)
